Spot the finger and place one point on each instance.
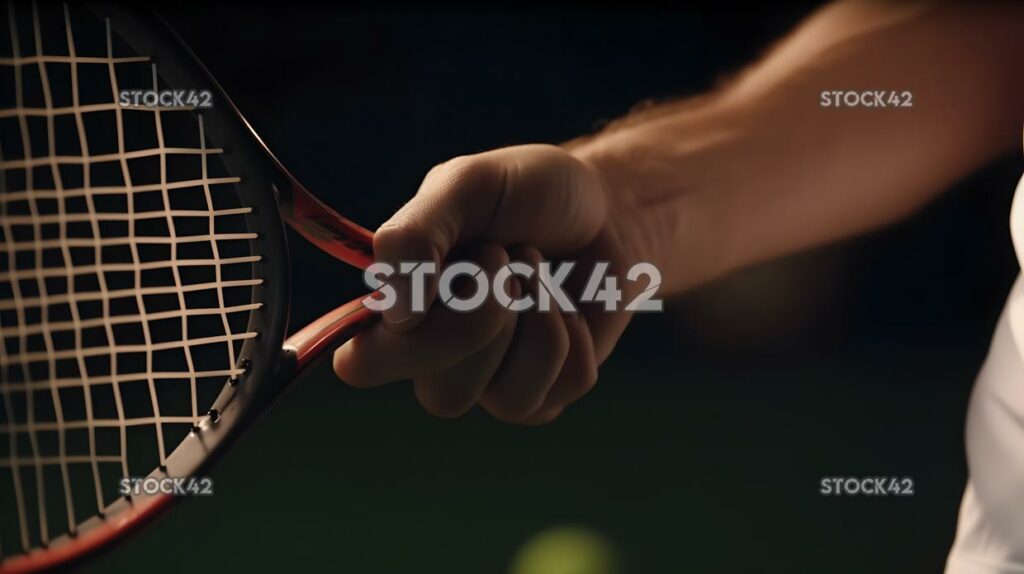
(453, 391)
(536, 194)
(543, 416)
(532, 362)
(578, 375)
(381, 355)
(605, 328)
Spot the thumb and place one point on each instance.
(532, 194)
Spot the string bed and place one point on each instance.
(126, 278)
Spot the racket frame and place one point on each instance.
(271, 363)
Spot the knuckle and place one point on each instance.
(587, 378)
(578, 385)
(581, 385)
(443, 406)
(510, 413)
(454, 164)
(559, 342)
(465, 178)
(526, 253)
(493, 257)
(463, 168)
(485, 326)
(551, 149)
(532, 254)
(510, 407)
(544, 417)
(436, 170)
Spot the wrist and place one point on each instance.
(665, 188)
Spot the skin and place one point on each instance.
(755, 170)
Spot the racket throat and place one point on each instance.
(324, 227)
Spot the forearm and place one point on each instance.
(760, 168)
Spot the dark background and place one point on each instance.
(702, 447)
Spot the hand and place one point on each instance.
(523, 203)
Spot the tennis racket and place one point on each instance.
(144, 275)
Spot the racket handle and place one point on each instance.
(328, 332)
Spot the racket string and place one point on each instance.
(123, 303)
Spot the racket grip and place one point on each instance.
(328, 332)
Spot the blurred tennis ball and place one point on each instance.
(566, 550)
